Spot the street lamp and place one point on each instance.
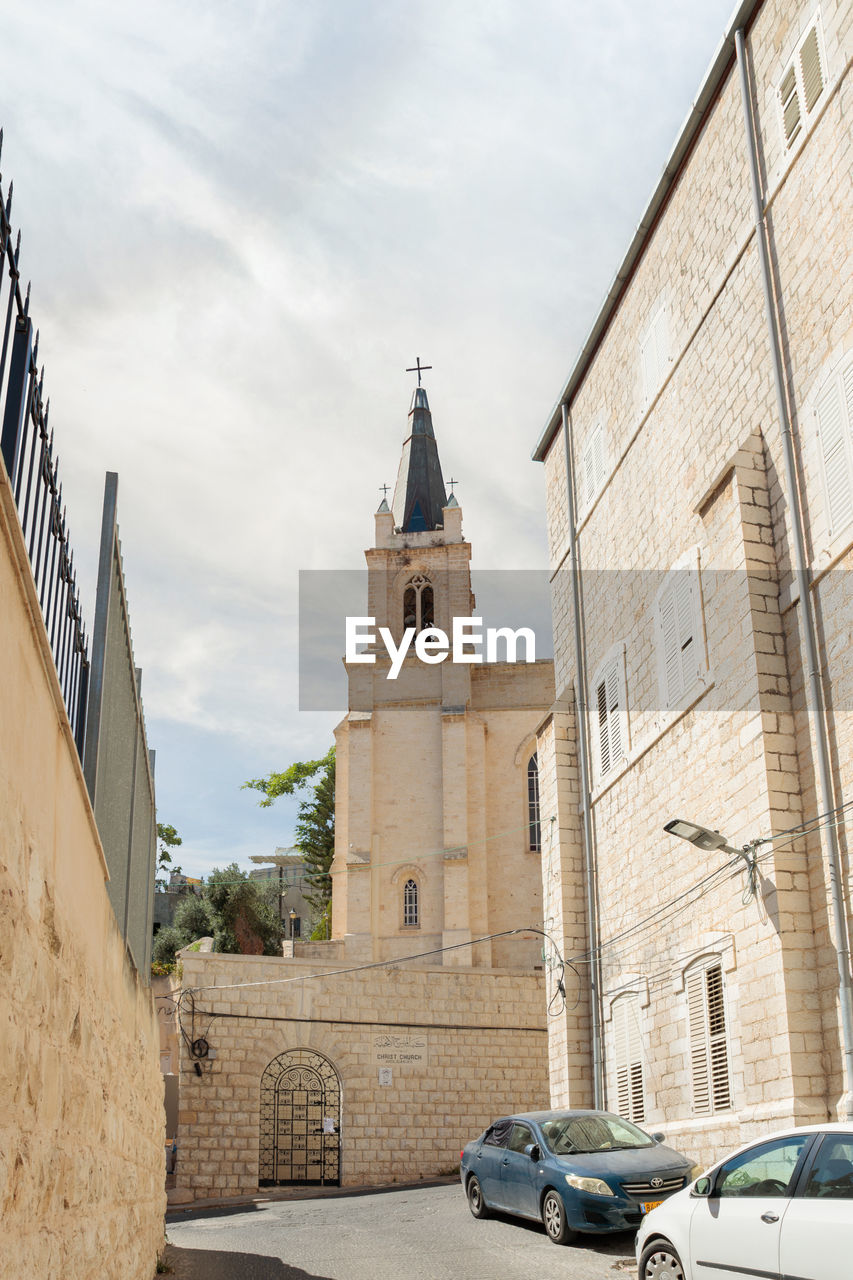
(292, 921)
(710, 841)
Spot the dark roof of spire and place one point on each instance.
(419, 493)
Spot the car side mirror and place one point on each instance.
(658, 1137)
(701, 1187)
(532, 1150)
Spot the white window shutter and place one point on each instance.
(698, 1041)
(670, 652)
(834, 420)
(790, 99)
(654, 353)
(592, 467)
(802, 85)
(810, 69)
(709, 1051)
(628, 1059)
(608, 708)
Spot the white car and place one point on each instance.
(779, 1208)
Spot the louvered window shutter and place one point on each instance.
(698, 1041)
(608, 703)
(670, 651)
(801, 86)
(630, 1099)
(810, 69)
(654, 353)
(709, 1054)
(592, 467)
(678, 636)
(835, 431)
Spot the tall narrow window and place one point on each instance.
(802, 84)
(608, 714)
(834, 412)
(655, 353)
(709, 1051)
(418, 603)
(411, 915)
(681, 659)
(592, 472)
(533, 822)
(628, 1059)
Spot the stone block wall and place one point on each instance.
(81, 1126)
(485, 1054)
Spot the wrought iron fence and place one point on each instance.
(33, 471)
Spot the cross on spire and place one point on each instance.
(418, 368)
(452, 484)
(385, 487)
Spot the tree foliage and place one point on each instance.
(315, 825)
(239, 913)
(167, 840)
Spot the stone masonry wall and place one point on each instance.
(486, 1055)
(81, 1126)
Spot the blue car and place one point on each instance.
(574, 1171)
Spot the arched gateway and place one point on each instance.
(300, 1138)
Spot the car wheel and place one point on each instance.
(660, 1261)
(476, 1203)
(555, 1220)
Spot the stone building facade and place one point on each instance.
(713, 999)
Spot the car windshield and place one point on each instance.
(573, 1135)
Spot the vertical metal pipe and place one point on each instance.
(813, 685)
(588, 846)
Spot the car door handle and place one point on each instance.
(769, 1217)
(505, 1162)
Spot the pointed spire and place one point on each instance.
(419, 493)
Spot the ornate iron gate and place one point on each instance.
(300, 1138)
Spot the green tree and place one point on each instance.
(167, 941)
(244, 913)
(167, 840)
(315, 826)
(193, 918)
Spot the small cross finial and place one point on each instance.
(418, 368)
(385, 487)
(452, 484)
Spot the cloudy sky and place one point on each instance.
(242, 221)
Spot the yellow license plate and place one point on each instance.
(648, 1205)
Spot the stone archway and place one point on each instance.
(300, 1130)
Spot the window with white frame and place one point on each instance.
(609, 714)
(802, 84)
(834, 415)
(534, 825)
(411, 913)
(680, 645)
(655, 352)
(629, 1093)
(593, 469)
(708, 1034)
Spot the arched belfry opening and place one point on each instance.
(300, 1121)
(419, 603)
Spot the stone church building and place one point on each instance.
(348, 1063)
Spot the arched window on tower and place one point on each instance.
(534, 827)
(411, 914)
(418, 603)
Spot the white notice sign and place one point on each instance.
(385, 1075)
(399, 1050)
(328, 1124)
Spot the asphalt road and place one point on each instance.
(411, 1233)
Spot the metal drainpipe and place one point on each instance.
(588, 848)
(814, 687)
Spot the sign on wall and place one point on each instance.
(392, 1049)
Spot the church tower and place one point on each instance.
(437, 839)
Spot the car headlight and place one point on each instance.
(594, 1185)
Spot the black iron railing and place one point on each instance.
(32, 468)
